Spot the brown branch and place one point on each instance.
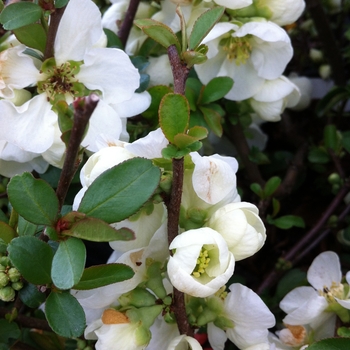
(126, 26)
(84, 108)
(55, 19)
(236, 135)
(327, 38)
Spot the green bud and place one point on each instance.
(167, 300)
(5, 261)
(7, 294)
(4, 279)
(17, 285)
(139, 297)
(2, 268)
(206, 317)
(14, 274)
(146, 315)
(155, 280)
(223, 323)
(81, 344)
(166, 181)
(142, 335)
(334, 179)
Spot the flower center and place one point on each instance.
(59, 82)
(238, 49)
(202, 263)
(335, 291)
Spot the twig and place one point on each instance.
(84, 108)
(126, 26)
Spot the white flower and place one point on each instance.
(240, 226)
(305, 87)
(79, 62)
(234, 5)
(201, 263)
(159, 71)
(273, 97)
(251, 319)
(248, 54)
(183, 342)
(316, 305)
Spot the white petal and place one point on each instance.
(104, 120)
(137, 104)
(269, 111)
(183, 342)
(216, 336)
(234, 5)
(79, 30)
(296, 297)
(162, 334)
(111, 72)
(218, 30)
(324, 270)
(30, 126)
(285, 12)
(114, 13)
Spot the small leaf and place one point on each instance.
(7, 233)
(20, 14)
(194, 134)
(32, 257)
(193, 57)
(68, 263)
(174, 114)
(159, 32)
(271, 186)
(317, 155)
(213, 119)
(8, 331)
(112, 39)
(102, 275)
(256, 188)
(203, 25)
(216, 88)
(331, 344)
(96, 230)
(33, 199)
(26, 228)
(31, 296)
(330, 137)
(120, 191)
(60, 3)
(65, 315)
(346, 140)
(276, 205)
(32, 35)
(333, 98)
(288, 221)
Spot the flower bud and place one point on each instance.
(17, 285)
(325, 71)
(14, 274)
(139, 297)
(334, 179)
(316, 55)
(5, 261)
(7, 294)
(3, 279)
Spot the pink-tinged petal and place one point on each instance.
(216, 336)
(111, 72)
(324, 270)
(104, 120)
(31, 126)
(79, 30)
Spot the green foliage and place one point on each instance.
(20, 14)
(31, 296)
(203, 25)
(102, 275)
(26, 228)
(32, 257)
(286, 222)
(68, 263)
(120, 191)
(270, 187)
(6, 232)
(8, 331)
(33, 199)
(32, 35)
(64, 314)
(113, 39)
(331, 344)
(332, 99)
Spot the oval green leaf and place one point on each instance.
(120, 191)
(216, 88)
(96, 230)
(68, 263)
(32, 35)
(271, 186)
(331, 344)
(288, 221)
(7, 233)
(203, 25)
(102, 275)
(33, 199)
(20, 14)
(32, 257)
(213, 119)
(174, 115)
(31, 296)
(65, 315)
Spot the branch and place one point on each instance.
(128, 21)
(84, 108)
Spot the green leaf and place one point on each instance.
(292, 279)
(26, 228)
(331, 344)
(256, 188)
(113, 39)
(102, 275)
(121, 191)
(96, 230)
(334, 96)
(60, 3)
(32, 258)
(330, 137)
(65, 315)
(33, 199)
(203, 25)
(194, 134)
(157, 93)
(346, 140)
(174, 115)
(213, 119)
(68, 263)
(288, 221)
(159, 32)
(343, 332)
(271, 186)
(317, 155)
(8, 331)
(30, 296)
(7, 233)
(216, 88)
(20, 14)
(32, 35)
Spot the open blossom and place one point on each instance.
(240, 226)
(317, 305)
(248, 54)
(182, 342)
(201, 263)
(80, 62)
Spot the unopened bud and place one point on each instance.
(316, 55)
(334, 179)
(7, 293)
(4, 279)
(14, 274)
(17, 285)
(4, 261)
(325, 71)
